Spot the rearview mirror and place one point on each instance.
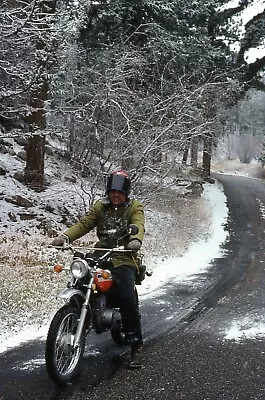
(133, 229)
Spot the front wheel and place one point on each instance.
(63, 359)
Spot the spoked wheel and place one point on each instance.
(63, 358)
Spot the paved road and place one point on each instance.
(185, 357)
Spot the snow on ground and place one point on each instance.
(234, 167)
(168, 267)
(199, 253)
(246, 328)
(183, 236)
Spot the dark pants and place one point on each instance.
(124, 278)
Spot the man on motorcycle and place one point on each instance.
(111, 217)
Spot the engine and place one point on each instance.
(105, 317)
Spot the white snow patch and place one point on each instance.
(31, 332)
(245, 329)
(262, 208)
(30, 365)
(199, 255)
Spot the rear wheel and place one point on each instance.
(117, 334)
(63, 358)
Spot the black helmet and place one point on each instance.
(119, 180)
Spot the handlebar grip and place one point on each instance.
(149, 272)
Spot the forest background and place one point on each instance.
(143, 85)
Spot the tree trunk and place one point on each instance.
(186, 151)
(194, 152)
(34, 171)
(185, 155)
(207, 155)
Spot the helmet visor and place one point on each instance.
(119, 182)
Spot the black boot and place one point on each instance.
(136, 355)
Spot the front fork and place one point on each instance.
(83, 313)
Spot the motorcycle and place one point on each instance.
(90, 303)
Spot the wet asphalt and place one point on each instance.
(185, 357)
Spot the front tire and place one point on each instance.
(63, 359)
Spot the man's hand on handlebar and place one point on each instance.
(61, 241)
(134, 245)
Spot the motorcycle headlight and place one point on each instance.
(79, 268)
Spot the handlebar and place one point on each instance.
(107, 251)
(113, 249)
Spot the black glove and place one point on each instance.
(60, 241)
(134, 245)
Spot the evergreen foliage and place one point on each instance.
(132, 83)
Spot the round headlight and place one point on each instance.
(79, 268)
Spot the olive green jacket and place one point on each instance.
(111, 224)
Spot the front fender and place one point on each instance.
(67, 293)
